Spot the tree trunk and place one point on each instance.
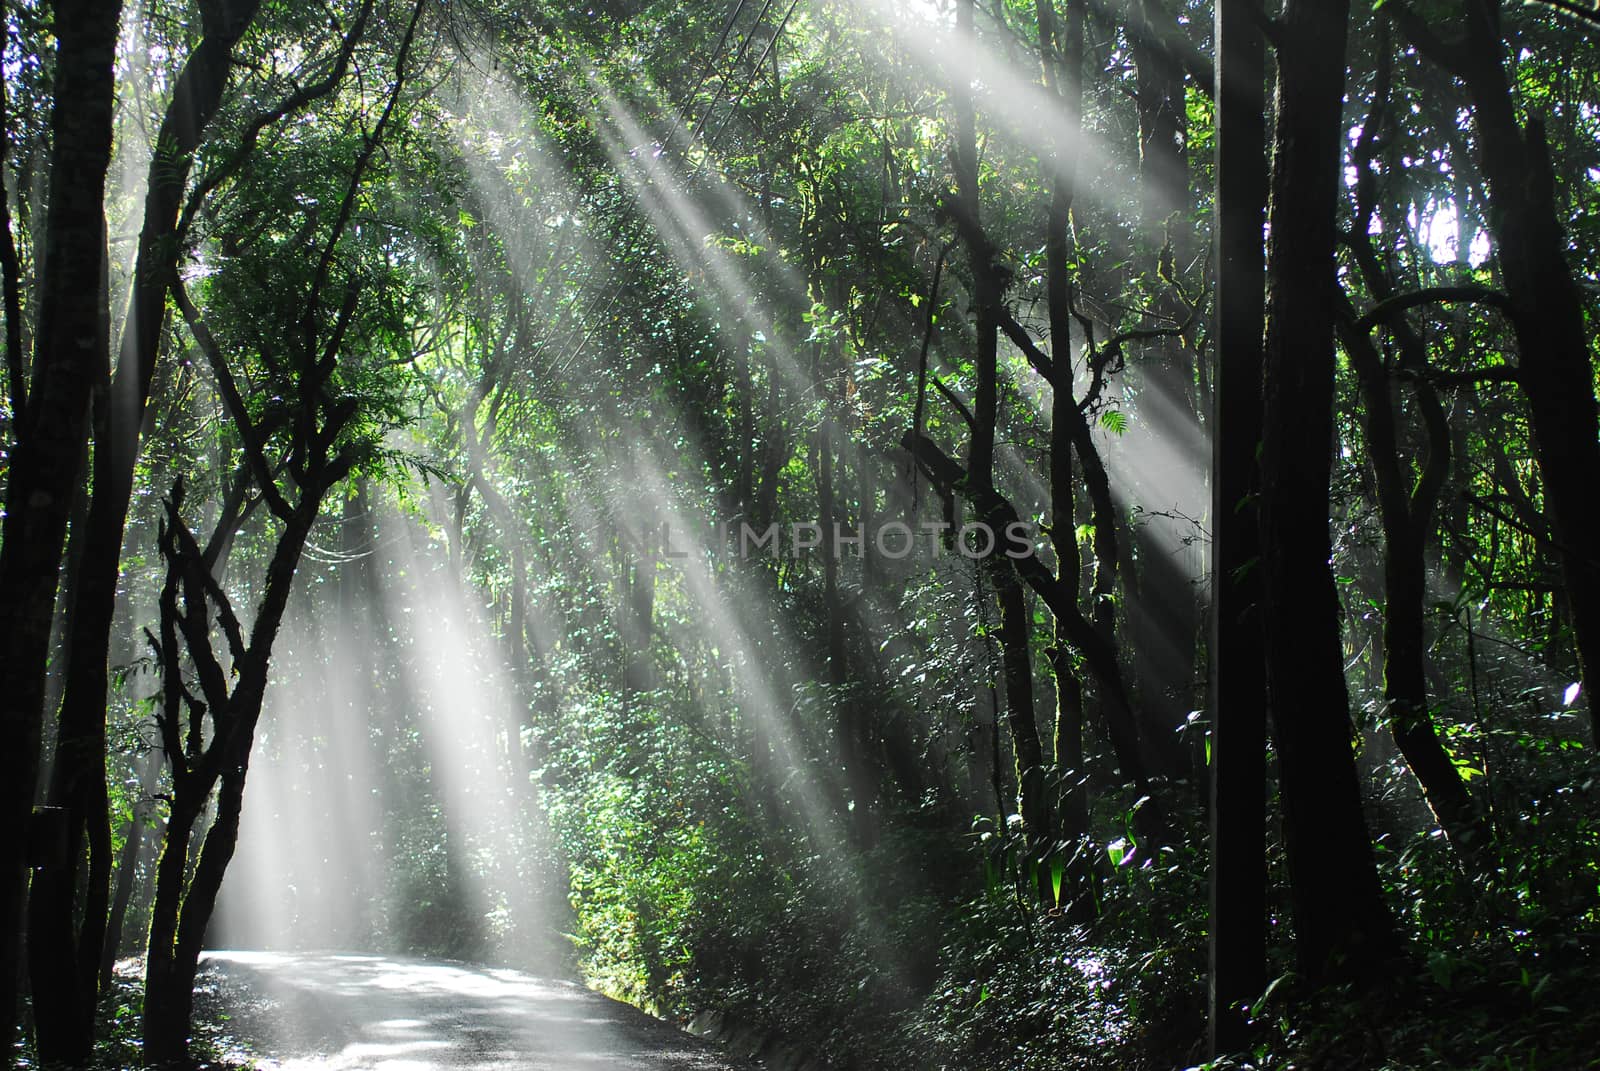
(1061, 61)
(71, 354)
(184, 902)
(517, 655)
(166, 997)
(1407, 518)
(1163, 119)
(1163, 609)
(1238, 903)
(1341, 923)
(833, 609)
(128, 863)
(1016, 655)
(744, 438)
(65, 955)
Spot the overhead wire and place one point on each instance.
(731, 71)
(755, 71)
(677, 121)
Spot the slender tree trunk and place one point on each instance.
(1163, 121)
(184, 902)
(744, 438)
(1406, 517)
(71, 354)
(639, 597)
(128, 863)
(11, 283)
(1163, 609)
(844, 728)
(1407, 506)
(166, 1021)
(1015, 627)
(773, 452)
(1341, 923)
(1061, 61)
(1238, 889)
(517, 655)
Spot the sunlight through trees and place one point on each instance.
(922, 533)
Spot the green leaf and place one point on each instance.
(1117, 849)
(1266, 994)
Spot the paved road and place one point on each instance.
(335, 1011)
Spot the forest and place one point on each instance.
(899, 535)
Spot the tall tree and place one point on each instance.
(64, 938)
(294, 454)
(70, 356)
(1341, 922)
(1238, 907)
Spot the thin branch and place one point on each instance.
(250, 436)
(961, 407)
(1389, 308)
(357, 175)
(292, 103)
(1500, 373)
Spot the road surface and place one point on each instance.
(341, 1012)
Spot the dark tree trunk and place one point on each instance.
(844, 727)
(639, 598)
(183, 910)
(184, 902)
(1163, 121)
(166, 1017)
(1407, 519)
(1238, 903)
(773, 451)
(1406, 506)
(1341, 923)
(517, 655)
(65, 953)
(1015, 627)
(744, 438)
(1061, 61)
(71, 355)
(1033, 784)
(11, 284)
(1163, 623)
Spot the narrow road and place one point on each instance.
(340, 1011)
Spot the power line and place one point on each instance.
(705, 72)
(723, 87)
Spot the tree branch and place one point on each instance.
(1391, 307)
(250, 436)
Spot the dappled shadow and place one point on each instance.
(331, 1010)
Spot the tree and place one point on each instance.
(51, 428)
(64, 952)
(1341, 922)
(1238, 906)
(333, 423)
